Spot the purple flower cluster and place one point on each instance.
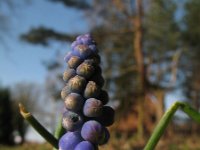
(86, 116)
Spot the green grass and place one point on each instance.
(28, 146)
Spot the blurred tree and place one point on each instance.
(162, 53)
(6, 128)
(30, 96)
(137, 40)
(191, 38)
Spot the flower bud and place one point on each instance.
(65, 91)
(91, 90)
(107, 116)
(103, 97)
(82, 51)
(94, 132)
(92, 107)
(77, 84)
(68, 74)
(93, 47)
(98, 79)
(67, 56)
(85, 145)
(74, 44)
(74, 102)
(69, 140)
(85, 70)
(74, 62)
(94, 59)
(71, 121)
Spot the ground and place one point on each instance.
(177, 142)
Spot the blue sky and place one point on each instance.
(21, 61)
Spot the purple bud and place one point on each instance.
(69, 140)
(85, 145)
(74, 102)
(85, 70)
(68, 74)
(103, 97)
(93, 47)
(74, 44)
(107, 116)
(71, 121)
(87, 40)
(82, 51)
(74, 62)
(98, 79)
(92, 107)
(93, 131)
(65, 91)
(77, 84)
(88, 35)
(79, 37)
(93, 60)
(68, 56)
(91, 90)
(98, 70)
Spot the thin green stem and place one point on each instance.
(195, 115)
(167, 117)
(59, 130)
(160, 128)
(38, 127)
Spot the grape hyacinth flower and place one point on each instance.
(86, 116)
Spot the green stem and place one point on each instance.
(59, 131)
(195, 115)
(38, 127)
(160, 128)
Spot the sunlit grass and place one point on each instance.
(173, 142)
(28, 146)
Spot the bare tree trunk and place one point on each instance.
(139, 57)
(137, 41)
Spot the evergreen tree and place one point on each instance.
(191, 37)
(6, 128)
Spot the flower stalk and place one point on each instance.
(38, 127)
(59, 130)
